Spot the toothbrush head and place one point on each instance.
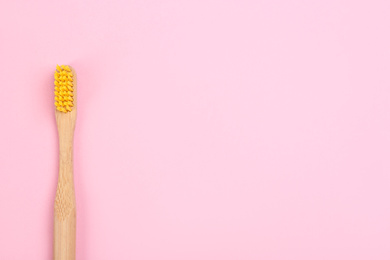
(64, 88)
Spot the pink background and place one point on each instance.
(206, 129)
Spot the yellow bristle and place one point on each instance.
(63, 88)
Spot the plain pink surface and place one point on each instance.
(206, 129)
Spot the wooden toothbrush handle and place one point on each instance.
(65, 237)
(65, 208)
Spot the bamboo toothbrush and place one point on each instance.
(65, 203)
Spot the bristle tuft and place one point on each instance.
(63, 88)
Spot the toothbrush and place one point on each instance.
(65, 202)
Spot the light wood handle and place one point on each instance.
(65, 237)
(65, 203)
